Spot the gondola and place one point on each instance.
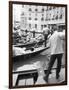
(31, 52)
(29, 44)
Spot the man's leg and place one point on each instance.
(52, 60)
(59, 61)
(45, 39)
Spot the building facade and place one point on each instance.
(35, 17)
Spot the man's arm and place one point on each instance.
(62, 35)
(48, 43)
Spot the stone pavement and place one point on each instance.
(52, 78)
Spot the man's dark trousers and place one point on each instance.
(52, 60)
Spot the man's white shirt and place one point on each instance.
(56, 42)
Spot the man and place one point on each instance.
(45, 32)
(56, 48)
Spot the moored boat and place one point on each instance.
(22, 53)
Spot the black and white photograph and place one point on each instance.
(38, 44)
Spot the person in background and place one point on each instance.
(45, 33)
(56, 48)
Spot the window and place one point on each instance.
(42, 19)
(41, 27)
(60, 16)
(35, 18)
(22, 14)
(56, 17)
(36, 9)
(35, 14)
(36, 26)
(46, 19)
(49, 19)
(30, 9)
(50, 8)
(42, 9)
(45, 25)
(57, 11)
(53, 17)
(29, 25)
(54, 7)
(22, 6)
(29, 14)
(46, 8)
(42, 14)
(50, 14)
(29, 18)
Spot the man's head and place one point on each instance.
(55, 28)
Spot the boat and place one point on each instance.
(29, 44)
(24, 53)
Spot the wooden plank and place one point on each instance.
(22, 82)
(29, 81)
(14, 79)
(30, 44)
(40, 80)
